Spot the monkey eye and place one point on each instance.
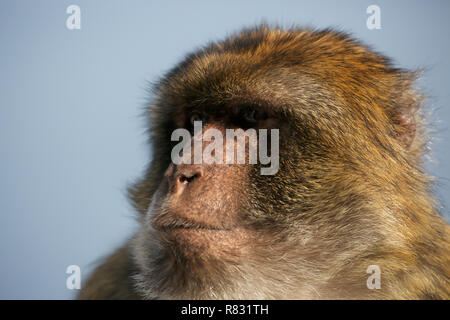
(197, 116)
(251, 117)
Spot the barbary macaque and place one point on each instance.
(348, 192)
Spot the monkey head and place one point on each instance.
(349, 162)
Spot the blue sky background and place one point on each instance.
(71, 135)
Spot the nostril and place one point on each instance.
(188, 178)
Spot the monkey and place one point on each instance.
(350, 191)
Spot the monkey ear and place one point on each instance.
(406, 103)
(405, 123)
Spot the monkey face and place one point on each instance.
(201, 206)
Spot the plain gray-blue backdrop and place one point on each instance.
(71, 135)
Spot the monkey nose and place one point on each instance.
(185, 176)
(184, 179)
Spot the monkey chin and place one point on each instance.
(204, 242)
(187, 232)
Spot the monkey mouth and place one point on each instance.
(186, 227)
(183, 233)
(166, 225)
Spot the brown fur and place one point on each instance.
(350, 193)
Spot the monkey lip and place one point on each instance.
(178, 225)
(171, 222)
(187, 228)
